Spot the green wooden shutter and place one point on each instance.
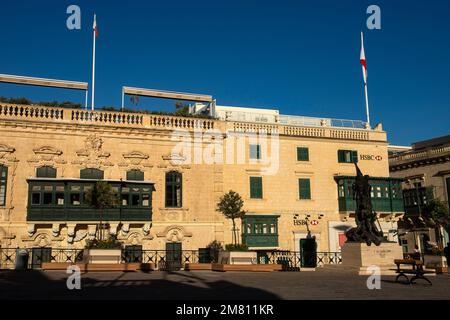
(256, 188)
(354, 156)
(305, 188)
(302, 154)
(341, 156)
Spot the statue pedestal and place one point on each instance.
(359, 256)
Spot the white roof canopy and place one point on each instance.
(166, 94)
(43, 82)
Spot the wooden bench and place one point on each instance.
(416, 270)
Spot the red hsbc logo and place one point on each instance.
(314, 222)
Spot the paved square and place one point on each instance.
(322, 284)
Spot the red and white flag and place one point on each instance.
(95, 26)
(362, 59)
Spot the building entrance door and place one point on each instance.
(173, 256)
(40, 255)
(308, 253)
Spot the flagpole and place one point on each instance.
(365, 84)
(93, 65)
(123, 98)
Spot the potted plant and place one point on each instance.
(230, 205)
(101, 250)
(437, 212)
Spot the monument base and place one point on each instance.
(358, 257)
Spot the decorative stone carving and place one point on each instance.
(134, 239)
(93, 156)
(31, 229)
(135, 160)
(6, 152)
(80, 235)
(174, 233)
(125, 229)
(175, 158)
(47, 155)
(113, 229)
(92, 231)
(55, 230)
(146, 229)
(42, 240)
(71, 233)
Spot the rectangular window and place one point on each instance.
(135, 200)
(60, 198)
(256, 191)
(302, 154)
(35, 198)
(3, 179)
(255, 151)
(145, 200)
(347, 156)
(75, 199)
(47, 200)
(304, 189)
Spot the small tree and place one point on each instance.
(438, 212)
(230, 205)
(101, 197)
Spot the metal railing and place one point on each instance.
(165, 259)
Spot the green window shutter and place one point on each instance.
(256, 188)
(341, 156)
(255, 151)
(3, 180)
(302, 154)
(305, 188)
(91, 174)
(46, 172)
(135, 175)
(354, 156)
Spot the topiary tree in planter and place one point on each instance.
(101, 197)
(437, 211)
(230, 205)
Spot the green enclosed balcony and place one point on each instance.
(386, 194)
(65, 200)
(416, 198)
(260, 231)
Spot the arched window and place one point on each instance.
(174, 181)
(46, 172)
(3, 179)
(92, 174)
(135, 175)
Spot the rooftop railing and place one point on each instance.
(287, 120)
(414, 155)
(283, 125)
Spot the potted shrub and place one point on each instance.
(103, 251)
(230, 205)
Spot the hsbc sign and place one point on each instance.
(370, 157)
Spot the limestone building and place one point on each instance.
(295, 175)
(425, 170)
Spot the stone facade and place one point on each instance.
(70, 140)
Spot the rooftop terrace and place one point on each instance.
(290, 126)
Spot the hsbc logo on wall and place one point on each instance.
(370, 157)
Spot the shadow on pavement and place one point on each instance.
(157, 285)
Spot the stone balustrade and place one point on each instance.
(38, 113)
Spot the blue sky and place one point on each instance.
(301, 57)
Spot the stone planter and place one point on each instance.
(102, 256)
(439, 263)
(237, 257)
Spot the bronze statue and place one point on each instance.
(365, 217)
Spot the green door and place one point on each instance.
(308, 253)
(173, 256)
(40, 255)
(133, 254)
